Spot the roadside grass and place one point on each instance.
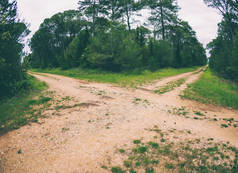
(176, 155)
(122, 79)
(18, 111)
(170, 86)
(213, 90)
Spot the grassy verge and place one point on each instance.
(213, 90)
(18, 110)
(123, 79)
(168, 153)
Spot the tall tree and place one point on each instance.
(11, 33)
(163, 14)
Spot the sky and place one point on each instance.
(203, 20)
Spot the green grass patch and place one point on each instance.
(179, 156)
(14, 110)
(170, 86)
(213, 90)
(122, 79)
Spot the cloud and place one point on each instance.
(203, 20)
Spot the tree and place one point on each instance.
(11, 33)
(223, 49)
(50, 42)
(163, 14)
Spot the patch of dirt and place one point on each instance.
(81, 140)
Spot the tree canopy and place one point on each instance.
(11, 33)
(101, 34)
(224, 49)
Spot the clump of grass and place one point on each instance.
(122, 151)
(117, 170)
(213, 90)
(224, 125)
(122, 79)
(170, 86)
(136, 141)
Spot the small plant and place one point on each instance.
(136, 141)
(153, 144)
(169, 165)
(199, 113)
(104, 167)
(127, 164)
(224, 125)
(101, 93)
(122, 151)
(140, 149)
(65, 129)
(149, 170)
(117, 170)
(19, 151)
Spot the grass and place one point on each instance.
(15, 111)
(122, 79)
(213, 90)
(189, 155)
(170, 86)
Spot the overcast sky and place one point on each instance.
(203, 20)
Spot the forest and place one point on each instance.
(109, 35)
(104, 34)
(224, 49)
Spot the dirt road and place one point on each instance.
(104, 117)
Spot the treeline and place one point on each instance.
(224, 49)
(102, 34)
(12, 78)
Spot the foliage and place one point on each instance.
(11, 33)
(223, 49)
(99, 36)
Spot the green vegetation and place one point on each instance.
(214, 90)
(171, 155)
(224, 48)
(19, 110)
(12, 78)
(99, 35)
(170, 86)
(123, 79)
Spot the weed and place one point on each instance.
(224, 125)
(117, 170)
(104, 167)
(122, 151)
(199, 113)
(169, 165)
(136, 141)
(19, 151)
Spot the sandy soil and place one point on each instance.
(84, 137)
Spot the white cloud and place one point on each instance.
(203, 20)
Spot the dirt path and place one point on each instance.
(86, 136)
